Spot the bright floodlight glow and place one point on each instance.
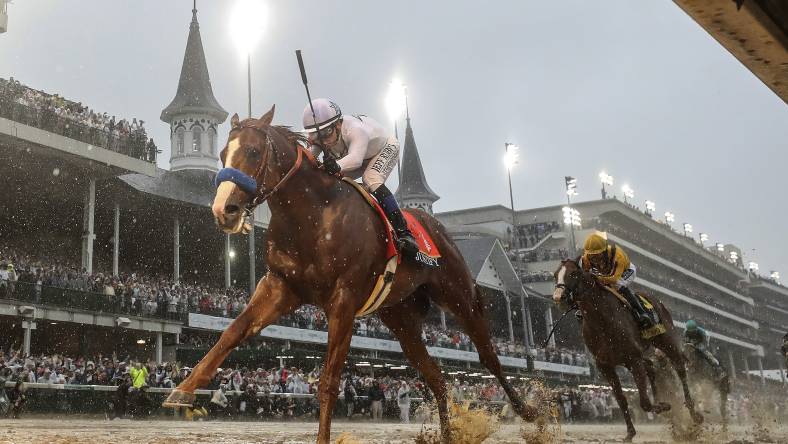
(687, 227)
(753, 266)
(704, 237)
(775, 275)
(512, 156)
(571, 216)
(670, 217)
(395, 99)
(246, 24)
(720, 248)
(232, 254)
(606, 179)
(628, 191)
(734, 256)
(571, 185)
(651, 206)
(141, 341)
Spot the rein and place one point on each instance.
(249, 184)
(552, 330)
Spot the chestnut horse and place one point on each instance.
(326, 247)
(613, 337)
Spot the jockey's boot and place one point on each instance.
(406, 242)
(643, 319)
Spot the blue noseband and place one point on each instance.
(238, 177)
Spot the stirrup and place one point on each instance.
(407, 243)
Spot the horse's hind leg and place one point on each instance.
(640, 373)
(271, 300)
(400, 321)
(468, 308)
(612, 378)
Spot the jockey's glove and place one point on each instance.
(331, 166)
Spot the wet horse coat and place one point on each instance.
(325, 248)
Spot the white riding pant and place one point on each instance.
(375, 170)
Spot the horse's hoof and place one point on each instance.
(662, 407)
(179, 398)
(630, 435)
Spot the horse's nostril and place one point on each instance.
(231, 209)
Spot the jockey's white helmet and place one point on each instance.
(326, 114)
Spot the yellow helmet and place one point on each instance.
(595, 243)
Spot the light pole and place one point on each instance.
(248, 19)
(687, 229)
(571, 190)
(396, 102)
(703, 238)
(606, 179)
(510, 159)
(775, 275)
(629, 193)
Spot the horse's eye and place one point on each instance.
(253, 152)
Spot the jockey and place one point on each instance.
(697, 336)
(358, 146)
(611, 266)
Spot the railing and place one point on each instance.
(78, 299)
(133, 145)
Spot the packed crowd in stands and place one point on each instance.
(136, 294)
(530, 234)
(74, 120)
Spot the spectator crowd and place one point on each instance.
(52, 112)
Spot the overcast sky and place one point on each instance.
(634, 88)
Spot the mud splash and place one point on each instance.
(466, 425)
(347, 438)
(546, 429)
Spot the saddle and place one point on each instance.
(658, 328)
(428, 254)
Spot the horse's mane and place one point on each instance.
(288, 133)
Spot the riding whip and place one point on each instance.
(308, 96)
(552, 330)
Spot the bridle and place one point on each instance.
(249, 184)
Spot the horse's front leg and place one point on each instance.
(272, 299)
(340, 330)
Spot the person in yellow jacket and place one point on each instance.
(610, 265)
(139, 375)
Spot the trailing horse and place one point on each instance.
(326, 247)
(614, 339)
(701, 371)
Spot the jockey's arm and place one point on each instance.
(357, 149)
(620, 265)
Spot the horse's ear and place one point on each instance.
(235, 123)
(267, 118)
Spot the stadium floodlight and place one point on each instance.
(720, 247)
(752, 266)
(395, 99)
(775, 275)
(232, 254)
(651, 206)
(571, 185)
(629, 193)
(140, 341)
(734, 256)
(703, 237)
(606, 179)
(687, 229)
(512, 156)
(571, 216)
(669, 217)
(247, 21)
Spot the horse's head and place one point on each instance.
(567, 279)
(245, 158)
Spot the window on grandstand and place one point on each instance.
(180, 141)
(196, 134)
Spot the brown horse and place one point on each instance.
(613, 337)
(326, 247)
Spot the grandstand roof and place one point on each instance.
(479, 251)
(195, 94)
(190, 186)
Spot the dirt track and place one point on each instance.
(91, 431)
